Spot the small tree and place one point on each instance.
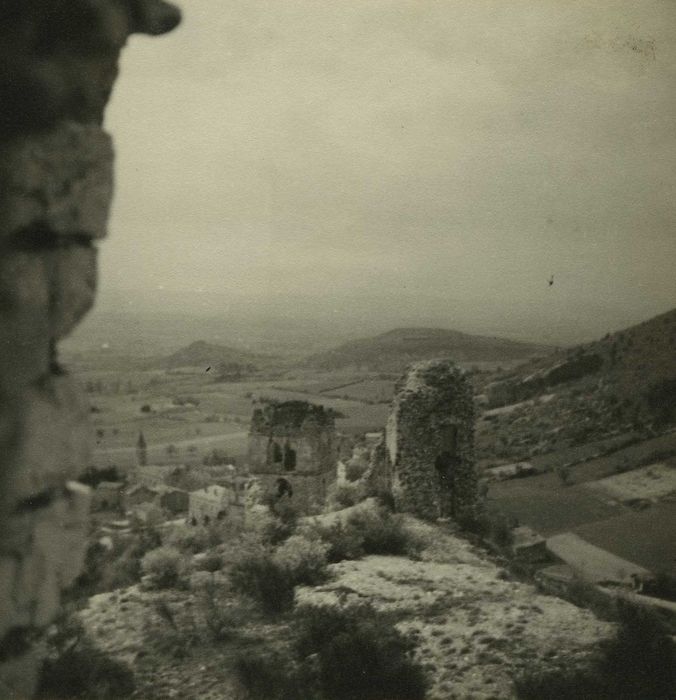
(165, 565)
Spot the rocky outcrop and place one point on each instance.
(58, 62)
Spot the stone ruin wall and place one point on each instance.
(430, 396)
(58, 63)
(311, 433)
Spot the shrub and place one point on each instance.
(211, 562)
(304, 560)
(344, 495)
(222, 618)
(343, 542)
(638, 664)
(273, 674)
(169, 637)
(263, 580)
(382, 532)
(74, 668)
(190, 539)
(165, 564)
(283, 523)
(359, 653)
(490, 525)
(270, 577)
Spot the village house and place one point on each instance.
(170, 499)
(209, 504)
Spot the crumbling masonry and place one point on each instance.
(293, 452)
(58, 62)
(426, 460)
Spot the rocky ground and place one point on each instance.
(475, 627)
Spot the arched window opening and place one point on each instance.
(276, 452)
(289, 457)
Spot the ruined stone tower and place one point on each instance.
(429, 442)
(293, 451)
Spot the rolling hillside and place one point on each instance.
(392, 351)
(201, 353)
(621, 385)
(631, 360)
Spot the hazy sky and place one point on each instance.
(408, 159)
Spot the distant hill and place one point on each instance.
(621, 385)
(203, 354)
(631, 360)
(393, 350)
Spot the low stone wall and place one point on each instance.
(58, 62)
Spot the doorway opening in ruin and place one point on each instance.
(274, 452)
(284, 488)
(444, 465)
(289, 457)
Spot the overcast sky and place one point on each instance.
(409, 160)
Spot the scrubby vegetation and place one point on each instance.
(373, 530)
(639, 663)
(269, 576)
(165, 565)
(491, 526)
(336, 654)
(75, 668)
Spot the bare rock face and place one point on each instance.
(58, 63)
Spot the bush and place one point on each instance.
(304, 560)
(343, 495)
(270, 577)
(359, 653)
(367, 531)
(170, 638)
(165, 564)
(382, 532)
(283, 523)
(337, 654)
(638, 664)
(211, 562)
(263, 580)
(74, 668)
(222, 618)
(343, 542)
(490, 525)
(273, 674)
(190, 539)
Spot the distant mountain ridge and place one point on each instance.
(200, 353)
(633, 358)
(393, 350)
